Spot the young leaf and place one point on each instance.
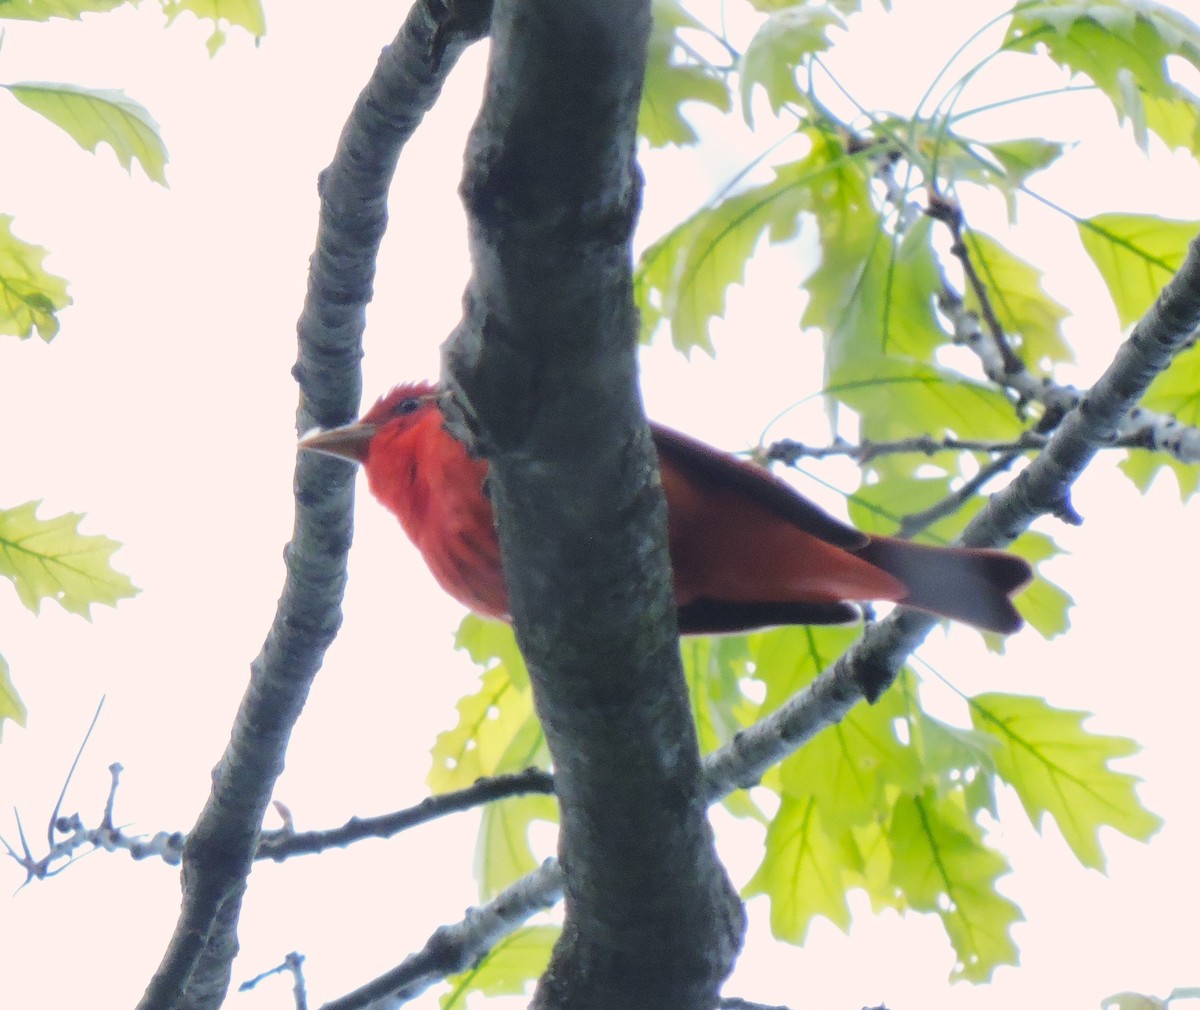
(51, 559)
(11, 706)
(684, 276)
(1142, 467)
(779, 48)
(802, 872)
(958, 760)
(1044, 604)
(787, 659)
(941, 864)
(669, 83)
(1136, 255)
(507, 969)
(1058, 767)
(44, 10)
(93, 117)
(1132, 1001)
(714, 666)
(1176, 392)
(502, 850)
(30, 298)
(1022, 307)
(497, 732)
(898, 398)
(490, 721)
(1004, 166)
(247, 14)
(1124, 48)
(853, 769)
(873, 292)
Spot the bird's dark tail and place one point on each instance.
(967, 584)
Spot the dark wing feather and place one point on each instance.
(723, 617)
(711, 466)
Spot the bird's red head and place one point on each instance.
(393, 414)
(402, 405)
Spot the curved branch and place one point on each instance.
(195, 969)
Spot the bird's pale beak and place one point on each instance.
(348, 442)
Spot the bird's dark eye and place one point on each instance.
(408, 405)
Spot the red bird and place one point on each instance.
(746, 549)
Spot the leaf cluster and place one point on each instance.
(891, 801)
(49, 558)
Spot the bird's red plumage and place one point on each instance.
(746, 549)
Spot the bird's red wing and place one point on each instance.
(715, 468)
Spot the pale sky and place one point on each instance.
(165, 410)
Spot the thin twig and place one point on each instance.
(293, 964)
(280, 845)
(916, 522)
(949, 213)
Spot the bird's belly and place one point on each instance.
(465, 560)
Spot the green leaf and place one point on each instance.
(247, 14)
(1004, 166)
(93, 117)
(872, 293)
(11, 706)
(955, 760)
(669, 82)
(847, 7)
(505, 970)
(787, 659)
(1058, 767)
(30, 298)
(1132, 1001)
(1123, 46)
(803, 872)
(1136, 255)
(714, 667)
(897, 398)
(44, 10)
(493, 734)
(497, 732)
(51, 559)
(683, 278)
(781, 46)
(1027, 314)
(853, 769)
(941, 865)
(1142, 467)
(503, 853)
(1044, 604)
(1175, 391)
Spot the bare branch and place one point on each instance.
(950, 214)
(277, 845)
(67, 835)
(915, 522)
(293, 964)
(194, 972)
(790, 453)
(281, 845)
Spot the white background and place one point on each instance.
(165, 411)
